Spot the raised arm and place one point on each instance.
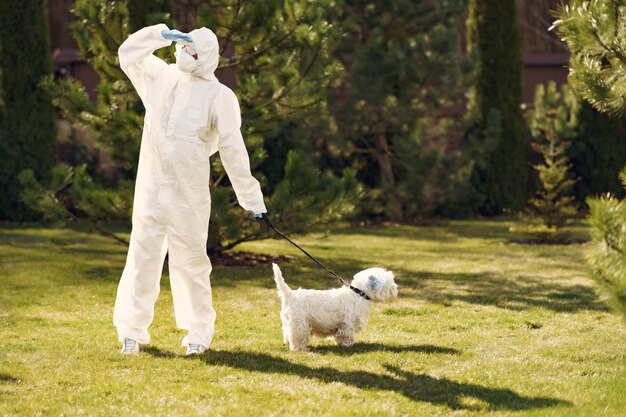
(137, 59)
(233, 153)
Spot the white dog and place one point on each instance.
(338, 313)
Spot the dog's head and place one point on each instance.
(377, 283)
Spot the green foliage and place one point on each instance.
(552, 123)
(38, 198)
(143, 13)
(280, 50)
(607, 218)
(281, 53)
(70, 192)
(495, 47)
(478, 150)
(400, 67)
(27, 127)
(303, 200)
(595, 33)
(309, 198)
(596, 36)
(608, 221)
(433, 180)
(597, 153)
(115, 121)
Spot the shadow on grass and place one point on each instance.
(159, 353)
(380, 347)
(8, 379)
(337, 350)
(512, 294)
(33, 235)
(449, 232)
(416, 387)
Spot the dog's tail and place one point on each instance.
(283, 289)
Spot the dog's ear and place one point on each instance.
(373, 283)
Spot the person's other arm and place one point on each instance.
(233, 153)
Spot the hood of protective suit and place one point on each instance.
(207, 48)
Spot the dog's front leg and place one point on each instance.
(345, 336)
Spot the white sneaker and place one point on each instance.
(193, 349)
(130, 347)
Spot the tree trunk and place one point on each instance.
(185, 12)
(214, 239)
(385, 168)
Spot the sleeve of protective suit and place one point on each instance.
(233, 153)
(137, 59)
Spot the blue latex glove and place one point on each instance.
(176, 35)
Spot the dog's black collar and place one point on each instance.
(359, 292)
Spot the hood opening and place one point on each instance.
(207, 49)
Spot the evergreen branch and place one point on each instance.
(236, 242)
(301, 78)
(243, 59)
(102, 230)
(85, 221)
(219, 180)
(303, 106)
(611, 245)
(368, 151)
(607, 48)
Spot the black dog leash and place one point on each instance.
(343, 282)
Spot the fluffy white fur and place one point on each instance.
(338, 313)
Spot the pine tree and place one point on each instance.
(400, 66)
(598, 151)
(552, 125)
(143, 13)
(594, 32)
(608, 258)
(114, 123)
(27, 119)
(494, 44)
(279, 51)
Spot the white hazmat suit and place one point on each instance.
(189, 116)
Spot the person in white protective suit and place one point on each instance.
(189, 116)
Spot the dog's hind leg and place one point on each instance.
(285, 320)
(299, 335)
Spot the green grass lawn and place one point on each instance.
(481, 327)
